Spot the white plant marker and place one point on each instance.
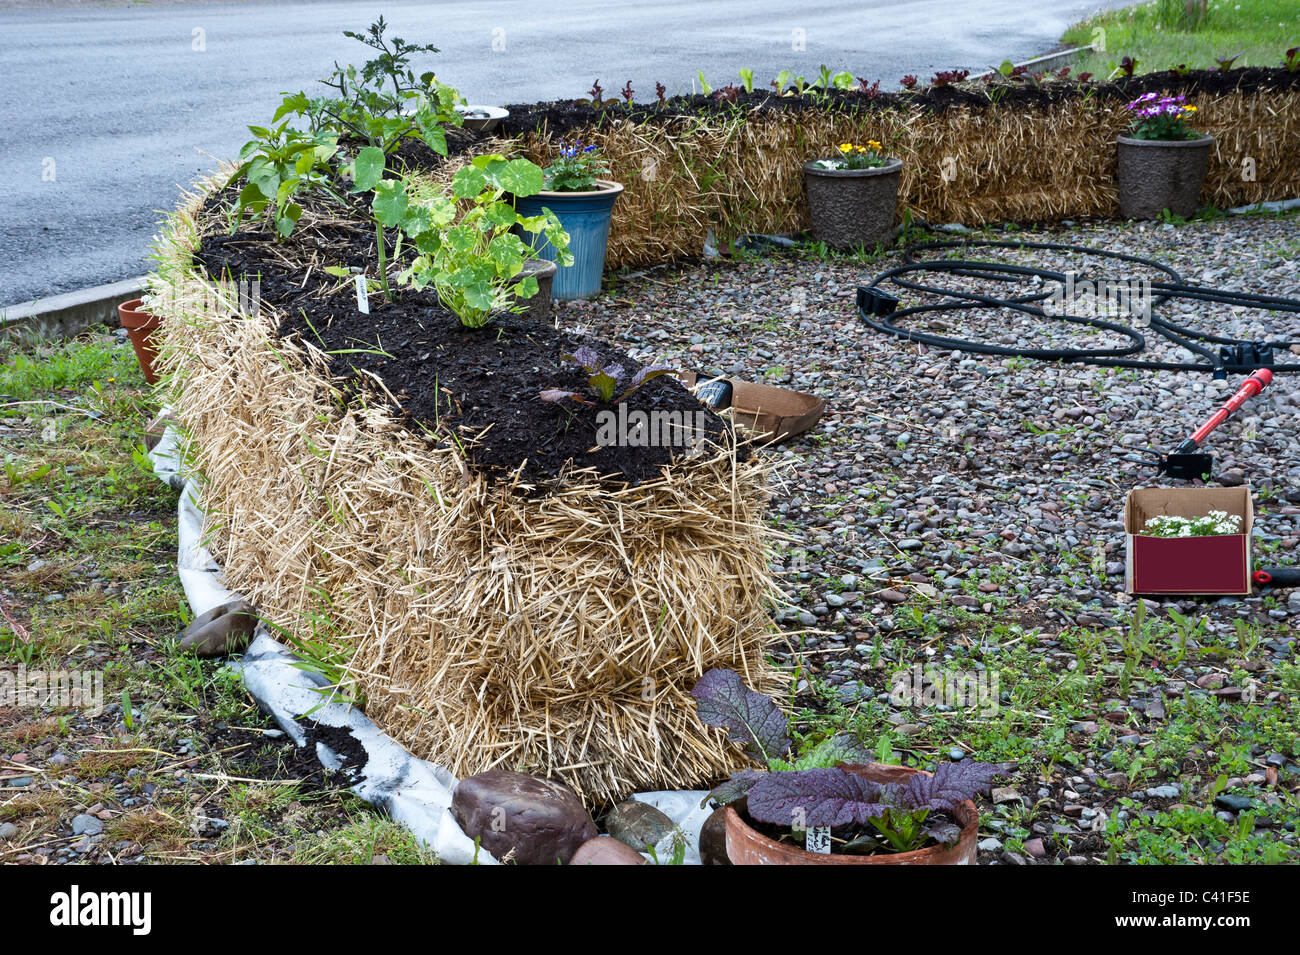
(363, 299)
(818, 839)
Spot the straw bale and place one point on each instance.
(483, 628)
(740, 173)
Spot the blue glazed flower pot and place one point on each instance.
(585, 217)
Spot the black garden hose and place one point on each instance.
(877, 308)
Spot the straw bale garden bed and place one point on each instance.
(498, 589)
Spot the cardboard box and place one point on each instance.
(770, 413)
(1187, 565)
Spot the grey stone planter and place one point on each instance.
(852, 207)
(539, 306)
(1158, 174)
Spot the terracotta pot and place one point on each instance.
(747, 846)
(140, 326)
(852, 207)
(1157, 174)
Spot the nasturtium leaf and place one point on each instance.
(499, 216)
(751, 718)
(479, 295)
(417, 221)
(459, 239)
(468, 182)
(390, 202)
(368, 169)
(526, 287)
(532, 223)
(522, 178)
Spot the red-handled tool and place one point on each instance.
(1186, 461)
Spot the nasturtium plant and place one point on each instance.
(805, 788)
(473, 262)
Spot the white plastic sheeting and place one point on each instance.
(412, 791)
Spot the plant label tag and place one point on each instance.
(818, 839)
(363, 300)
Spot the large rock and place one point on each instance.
(713, 839)
(606, 850)
(541, 821)
(638, 824)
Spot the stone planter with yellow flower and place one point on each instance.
(852, 197)
(1162, 160)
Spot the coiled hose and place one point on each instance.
(878, 308)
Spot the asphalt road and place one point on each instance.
(109, 110)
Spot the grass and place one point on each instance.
(1159, 37)
(88, 582)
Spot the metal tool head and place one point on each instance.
(1186, 467)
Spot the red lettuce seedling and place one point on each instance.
(603, 380)
(868, 90)
(948, 77)
(909, 82)
(660, 90)
(627, 92)
(1127, 66)
(1292, 60)
(1225, 63)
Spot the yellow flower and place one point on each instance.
(1190, 109)
(846, 147)
(874, 145)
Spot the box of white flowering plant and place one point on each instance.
(1188, 540)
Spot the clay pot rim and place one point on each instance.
(607, 186)
(1203, 139)
(916, 856)
(893, 166)
(132, 315)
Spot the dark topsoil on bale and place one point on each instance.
(564, 116)
(480, 384)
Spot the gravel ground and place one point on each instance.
(950, 503)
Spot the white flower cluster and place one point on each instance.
(1215, 522)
